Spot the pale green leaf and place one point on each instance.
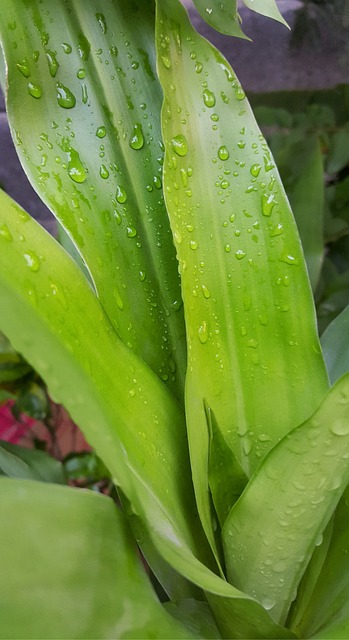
(335, 345)
(327, 609)
(222, 16)
(289, 500)
(196, 615)
(249, 310)
(69, 569)
(84, 104)
(266, 8)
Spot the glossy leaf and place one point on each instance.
(327, 610)
(248, 306)
(222, 16)
(83, 104)
(335, 345)
(290, 501)
(32, 464)
(70, 570)
(266, 8)
(118, 402)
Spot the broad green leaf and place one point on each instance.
(251, 330)
(222, 16)
(265, 8)
(335, 345)
(290, 500)
(83, 102)
(69, 569)
(24, 463)
(118, 402)
(328, 606)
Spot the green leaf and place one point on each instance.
(266, 8)
(33, 401)
(196, 616)
(118, 402)
(20, 462)
(327, 611)
(222, 16)
(335, 345)
(12, 365)
(290, 501)
(83, 102)
(70, 570)
(338, 156)
(248, 306)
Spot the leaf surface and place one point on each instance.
(290, 500)
(84, 107)
(20, 462)
(250, 320)
(266, 8)
(222, 16)
(69, 569)
(335, 345)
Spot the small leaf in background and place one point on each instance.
(20, 462)
(222, 16)
(266, 8)
(12, 366)
(335, 346)
(33, 401)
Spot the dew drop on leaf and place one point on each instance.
(52, 63)
(34, 90)
(240, 254)
(209, 98)
(268, 203)
(76, 170)
(5, 233)
(131, 232)
(180, 145)
(255, 170)
(121, 195)
(65, 97)
(66, 47)
(203, 333)
(223, 153)
(137, 138)
(24, 68)
(102, 22)
(32, 260)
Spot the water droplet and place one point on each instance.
(193, 245)
(239, 254)
(24, 67)
(5, 233)
(203, 333)
(84, 95)
(180, 145)
(101, 132)
(268, 603)
(268, 203)
(84, 47)
(52, 63)
(239, 93)
(198, 67)
(121, 195)
(289, 259)
(131, 232)
(223, 153)
(34, 90)
(103, 172)
(268, 164)
(157, 182)
(205, 291)
(65, 97)
(66, 47)
(227, 248)
(118, 299)
(137, 138)
(81, 73)
(101, 21)
(32, 260)
(276, 231)
(209, 98)
(166, 62)
(142, 276)
(255, 170)
(340, 427)
(76, 170)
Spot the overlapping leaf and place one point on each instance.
(290, 501)
(335, 345)
(248, 306)
(69, 569)
(83, 103)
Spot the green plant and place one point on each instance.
(246, 529)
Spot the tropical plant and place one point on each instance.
(204, 392)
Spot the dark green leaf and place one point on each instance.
(20, 462)
(335, 345)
